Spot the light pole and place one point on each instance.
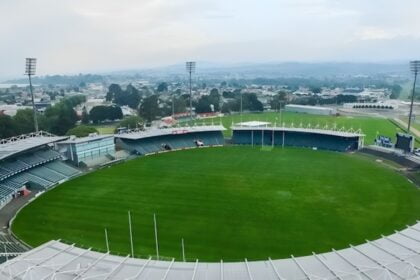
(190, 66)
(414, 67)
(30, 71)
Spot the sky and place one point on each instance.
(81, 36)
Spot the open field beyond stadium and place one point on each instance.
(227, 203)
(369, 126)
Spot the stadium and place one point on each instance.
(270, 202)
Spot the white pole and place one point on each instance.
(252, 138)
(272, 139)
(282, 145)
(156, 237)
(106, 240)
(262, 137)
(183, 249)
(131, 234)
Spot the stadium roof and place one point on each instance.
(308, 107)
(342, 133)
(18, 144)
(253, 124)
(79, 140)
(138, 134)
(393, 257)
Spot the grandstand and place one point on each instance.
(252, 133)
(391, 257)
(156, 140)
(28, 161)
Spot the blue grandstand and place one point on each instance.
(297, 137)
(157, 140)
(28, 162)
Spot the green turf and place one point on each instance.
(369, 126)
(227, 203)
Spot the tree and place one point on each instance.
(209, 103)
(73, 101)
(61, 117)
(82, 131)
(395, 91)
(23, 121)
(149, 108)
(162, 87)
(203, 105)
(132, 97)
(103, 113)
(180, 105)
(215, 99)
(228, 94)
(85, 116)
(132, 122)
(250, 102)
(6, 127)
(316, 90)
(113, 91)
(278, 101)
(115, 113)
(98, 114)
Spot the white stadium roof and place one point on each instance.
(393, 257)
(342, 132)
(14, 145)
(134, 135)
(253, 124)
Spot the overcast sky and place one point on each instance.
(73, 36)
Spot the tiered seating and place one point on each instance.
(25, 177)
(11, 184)
(41, 168)
(5, 191)
(32, 160)
(296, 139)
(10, 245)
(176, 141)
(62, 168)
(48, 154)
(48, 174)
(4, 172)
(14, 166)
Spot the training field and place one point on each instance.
(369, 126)
(227, 203)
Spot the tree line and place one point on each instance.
(57, 119)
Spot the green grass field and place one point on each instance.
(369, 126)
(227, 203)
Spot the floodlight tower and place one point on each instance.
(190, 66)
(30, 71)
(415, 68)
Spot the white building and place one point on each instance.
(316, 110)
(91, 150)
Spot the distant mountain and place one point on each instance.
(239, 71)
(273, 70)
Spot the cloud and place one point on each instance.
(72, 36)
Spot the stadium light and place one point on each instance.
(415, 68)
(190, 66)
(30, 70)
